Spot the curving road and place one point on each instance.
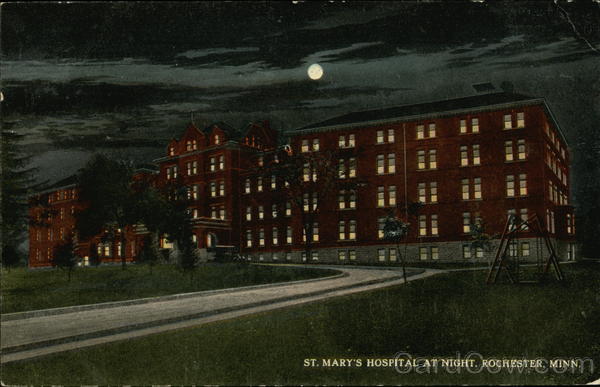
(33, 334)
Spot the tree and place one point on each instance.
(17, 182)
(65, 257)
(106, 189)
(480, 239)
(95, 259)
(396, 230)
(149, 253)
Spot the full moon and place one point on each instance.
(315, 71)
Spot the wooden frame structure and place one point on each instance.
(504, 261)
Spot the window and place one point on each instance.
(352, 255)
(288, 235)
(213, 164)
(510, 186)
(380, 137)
(420, 132)
(222, 188)
(507, 121)
(381, 255)
(248, 213)
(346, 142)
(466, 222)
(195, 191)
(259, 184)
(288, 209)
(315, 255)
(524, 217)
(342, 141)
(171, 151)
(274, 211)
(341, 169)
(475, 125)
(195, 213)
(275, 236)
(213, 212)
(342, 200)
(306, 172)
(247, 188)
(463, 126)
(221, 162)
(420, 159)
(523, 184)
(435, 253)
(431, 130)
(392, 163)
(380, 165)
(273, 182)
(464, 156)
(521, 153)
(352, 230)
(433, 196)
(569, 224)
(352, 199)
(352, 167)
(466, 252)
(434, 225)
(477, 188)
(520, 120)
(341, 230)
(380, 226)
(423, 253)
(315, 232)
(508, 151)
(391, 136)
(422, 193)
(476, 156)
(380, 196)
(341, 255)
(261, 237)
(261, 212)
(465, 189)
(432, 159)
(260, 161)
(213, 189)
(304, 148)
(217, 139)
(422, 225)
(392, 195)
(393, 255)
(315, 144)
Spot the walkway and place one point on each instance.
(26, 336)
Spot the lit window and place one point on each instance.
(342, 200)
(315, 255)
(351, 141)
(213, 164)
(433, 196)
(248, 213)
(259, 184)
(525, 249)
(315, 232)
(392, 195)
(260, 161)
(261, 237)
(380, 226)
(434, 225)
(475, 125)
(222, 213)
(273, 182)
(466, 222)
(342, 141)
(380, 165)
(380, 196)
(288, 209)
(306, 172)
(213, 189)
(352, 167)
(353, 199)
(465, 189)
(420, 132)
(341, 230)
(304, 146)
(510, 186)
(392, 162)
(435, 253)
(217, 139)
(247, 188)
(380, 137)
(523, 184)
(420, 159)
(391, 136)
(352, 230)
(432, 130)
(520, 120)
(305, 203)
(261, 212)
(393, 255)
(221, 162)
(524, 217)
(521, 150)
(288, 235)
(477, 188)
(432, 159)
(464, 156)
(274, 210)
(222, 188)
(341, 168)
(422, 193)
(508, 151)
(466, 252)
(275, 236)
(476, 155)
(422, 225)
(195, 213)
(352, 255)
(423, 253)
(315, 144)
(381, 255)
(195, 191)
(463, 126)
(341, 255)
(507, 121)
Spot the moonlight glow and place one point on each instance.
(315, 71)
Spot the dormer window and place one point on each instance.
(217, 139)
(171, 151)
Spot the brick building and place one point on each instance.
(469, 160)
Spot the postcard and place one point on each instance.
(300, 193)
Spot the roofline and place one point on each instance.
(48, 190)
(555, 122)
(415, 117)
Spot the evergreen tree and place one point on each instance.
(17, 182)
(65, 257)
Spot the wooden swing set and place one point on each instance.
(508, 255)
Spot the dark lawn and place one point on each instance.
(436, 317)
(24, 289)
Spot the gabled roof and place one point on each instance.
(398, 112)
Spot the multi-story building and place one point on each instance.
(468, 161)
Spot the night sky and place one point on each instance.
(125, 78)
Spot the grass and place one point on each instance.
(24, 289)
(439, 316)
